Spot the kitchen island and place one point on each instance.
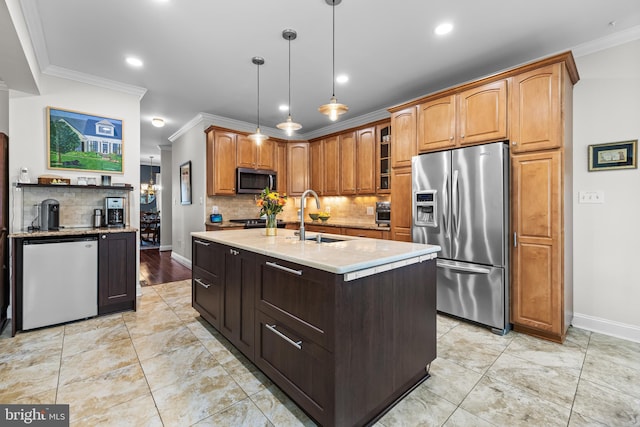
(345, 327)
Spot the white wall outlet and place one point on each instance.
(369, 210)
(591, 196)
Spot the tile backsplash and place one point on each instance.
(76, 204)
(351, 209)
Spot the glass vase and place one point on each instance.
(271, 226)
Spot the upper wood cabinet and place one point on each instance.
(221, 162)
(475, 115)
(437, 124)
(366, 160)
(482, 113)
(316, 167)
(357, 151)
(403, 137)
(331, 171)
(348, 163)
(280, 166)
(298, 167)
(536, 118)
(383, 158)
(255, 156)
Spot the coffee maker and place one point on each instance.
(49, 215)
(114, 211)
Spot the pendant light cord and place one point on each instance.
(258, 95)
(289, 76)
(333, 81)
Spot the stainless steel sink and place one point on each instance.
(324, 239)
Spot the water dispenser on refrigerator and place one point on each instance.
(425, 208)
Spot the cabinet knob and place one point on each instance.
(514, 143)
(451, 137)
(104, 236)
(462, 136)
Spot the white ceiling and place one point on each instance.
(197, 53)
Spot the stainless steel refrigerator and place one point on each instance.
(460, 202)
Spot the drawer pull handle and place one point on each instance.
(201, 283)
(233, 252)
(202, 243)
(282, 267)
(296, 344)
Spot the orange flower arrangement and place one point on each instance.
(271, 202)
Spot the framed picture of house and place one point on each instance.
(185, 183)
(81, 141)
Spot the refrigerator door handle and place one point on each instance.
(464, 268)
(446, 213)
(455, 198)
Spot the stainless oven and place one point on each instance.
(383, 213)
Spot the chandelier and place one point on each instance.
(148, 190)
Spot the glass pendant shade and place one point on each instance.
(289, 126)
(258, 137)
(333, 109)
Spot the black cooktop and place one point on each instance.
(255, 222)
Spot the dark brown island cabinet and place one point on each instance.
(116, 272)
(344, 348)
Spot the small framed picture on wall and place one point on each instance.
(613, 155)
(185, 183)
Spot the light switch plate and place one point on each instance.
(369, 210)
(591, 196)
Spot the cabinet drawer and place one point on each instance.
(299, 366)
(206, 256)
(300, 296)
(206, 295)
(361, 232)
(323, 229)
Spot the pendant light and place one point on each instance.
(333, 109)
(258, 137)
(289, 125)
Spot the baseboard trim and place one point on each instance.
(607, 327)
(165, 248)
(182, 260)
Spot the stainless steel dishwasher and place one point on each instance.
(60, 280)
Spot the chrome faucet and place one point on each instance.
(302, 198)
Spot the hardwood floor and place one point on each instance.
(158, 267)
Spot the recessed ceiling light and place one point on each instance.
(444, 28)
(157, 122)
(283, 107)
(342, 78)
(134, 62)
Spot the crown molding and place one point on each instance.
(347, 124)
(612, 40)
(165, 147)
(65, 73)
(224, 122)
(34, 27)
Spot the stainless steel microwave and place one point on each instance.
(255, 180)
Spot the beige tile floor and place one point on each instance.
(162, 366)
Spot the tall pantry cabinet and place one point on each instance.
(531, 106)
(541, 125)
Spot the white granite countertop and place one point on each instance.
(350, 255)
(73, 231)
